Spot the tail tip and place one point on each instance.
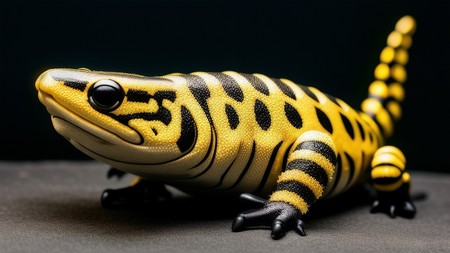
(406, 25)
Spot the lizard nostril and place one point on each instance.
(105, 95)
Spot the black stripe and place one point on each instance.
(210, 163)
(333, 99)
(138, 96)
(247, 167)
(386, 180)
(308, 92)
(388, 164)
(268, 168)
(72, 83)
(163, 115)
(230, 86)
(351, 168)
(311, 168)
(262, 115)
(164, 94)
(188, 131)
(298, 188)
(320, 148)
(293, 116)
(143, 96)
(380, 127)
(257, 83)
(212, 136)
(201, 93)
(76, 84)
(286, 155)
(284, 88)
(348, 126)
(225, 173)
(233, 118)
(324, 120)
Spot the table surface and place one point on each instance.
(54, 206)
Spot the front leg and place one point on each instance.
(140, 192)
(309, 169)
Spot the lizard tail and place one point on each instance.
(386, 92)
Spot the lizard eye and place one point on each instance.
(105, 95)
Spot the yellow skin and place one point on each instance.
(231, 133)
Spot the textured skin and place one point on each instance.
(231, 133)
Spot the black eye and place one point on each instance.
(105, 95)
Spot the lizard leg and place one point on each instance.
(140, 192)
(392, 183)
(309, 169)
(113, 172)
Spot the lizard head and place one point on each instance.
(118, 117)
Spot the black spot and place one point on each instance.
(308, 92)
(188, 130)
(161, 95)
(348, 126)
(262, 115)
(293, 116)
(284, 88)
(201, 93)
(230, 86)
(324, 120)
(233, 118)
(298, 188)
(138, 96)
(320, 148)
(311, 168)
(361, 130)
(257, 83)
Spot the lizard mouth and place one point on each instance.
(66, 123)
(103, 144)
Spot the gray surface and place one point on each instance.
(54, 207)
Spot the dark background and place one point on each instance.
(332, 45)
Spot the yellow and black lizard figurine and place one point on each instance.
(237, 134)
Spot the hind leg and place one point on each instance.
(392, 183)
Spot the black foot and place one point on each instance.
(141, 194)
(404, 208)
(115, 173)
(278, 216)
